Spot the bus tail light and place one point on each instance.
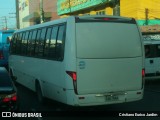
(1, 55)
(73, 75)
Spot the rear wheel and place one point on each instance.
(7, 67)
(39, 93)
(10, 72)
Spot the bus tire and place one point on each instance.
(39, 93)
(10, 72)
(7, 67)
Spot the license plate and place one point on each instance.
(112, 98)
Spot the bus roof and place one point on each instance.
(61, 20)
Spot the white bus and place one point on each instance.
(152, 55)
(81, 60)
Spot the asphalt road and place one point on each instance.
(149, 104)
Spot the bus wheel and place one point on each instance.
(39, 93)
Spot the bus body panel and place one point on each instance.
(52, 87)
(108, 61)
(109, 75)
(70, 52)
(103, 98)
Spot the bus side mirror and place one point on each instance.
(9, 38)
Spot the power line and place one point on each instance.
(5, 21)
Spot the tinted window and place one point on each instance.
(25, 43)
(152, 51)
(13, 44)
(107, 40)
(60, 43)
(19, 41)
(52, 48)
(47, 42)
(31, 48)
(42, 42)
(37, 43)
(29, 43)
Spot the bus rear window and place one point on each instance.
(107, 40)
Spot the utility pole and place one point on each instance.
(69, 6)
(117, 8)
(41, 12)
(14, 18)
(115, 4)
(5, 21)
(17, 13)
(1, 27)
(146, 14)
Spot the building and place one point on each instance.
(150, 29)
(87, 7)
(33, 12)
(146, 12)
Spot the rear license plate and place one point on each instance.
(112, 98)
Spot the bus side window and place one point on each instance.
(147, 51)
(22, 44)
(60, 43)
(52, 47)
(42, 43)
(29, 43)
(158, 50)
(12, 44)
(47, 42)
(32, 49)
(18, 43)
(25, 43)
(37, 43)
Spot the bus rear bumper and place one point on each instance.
(107, 98)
